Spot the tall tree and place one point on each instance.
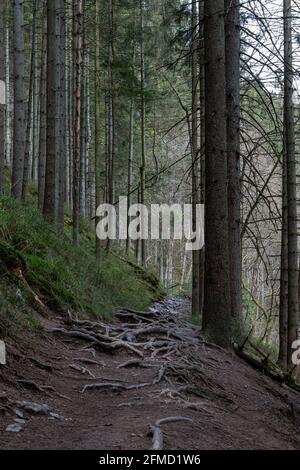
(216, 311)
(2, 94)
(61, 121)
(77, 120)
(97, 119)
(232, 33)
(30, 134)
(43, 114)
(289, 130)
(143, 123)
(19, 113)
(50, 194)
(195, 163)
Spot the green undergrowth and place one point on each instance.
(36, 261)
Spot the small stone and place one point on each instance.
(34, 408)
(56, 416)
(14, 428)
(20, 421)
(19, 413)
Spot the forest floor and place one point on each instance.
(214, 400)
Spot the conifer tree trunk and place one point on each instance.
(216, 311)
(202, 141)
(50, 194)
(289, 129)
(30, 136)
(77, 120)
(143, 122)
(232, 32)
(43, 115)
(62, 143)
(2, 94)
(284, 284)
(97, 120)
(19, 113)
(195, 164)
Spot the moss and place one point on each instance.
(67, 277)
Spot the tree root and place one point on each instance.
(157, 434)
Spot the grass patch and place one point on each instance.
(66, 276)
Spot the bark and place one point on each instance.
(97, 120)
(2, 95)
(202, 141)
(216, 312)
(232, 32)
(30, 134)
(289, 129)
(143, 119)
(43, 116)
(62, 151)
(19, 114)
(77, 121)
(195, 164)
(50, 197)
(130, 154)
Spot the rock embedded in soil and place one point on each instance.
(34, 408)
(15, 428)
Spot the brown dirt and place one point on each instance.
(239, 407)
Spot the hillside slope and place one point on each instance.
(41, 271)
(162, 374)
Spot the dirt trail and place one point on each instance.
(173, 373)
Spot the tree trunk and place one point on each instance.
(19, 114)
(30, 136)
(2, 95)
(62, 124)
(232, 32)
(293, 300)
(202, 141)
(216, 312)
(143, 122)
(195, 164)
(43, 115)
(97, 121)
(77, 123)
(50, 198)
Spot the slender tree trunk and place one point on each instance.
(195, 164)
(130, 153)
(2, 94)
(19, 114)
(8, 88)
(289, 129)
(284, 284)
(232, 32)
(43, 115)
(110, 111)
(30, 137)
(130, 170)
(202, 140)
(50, 206)
(97, 120)
(216, 312)
(83, 117)
(77, 123)
(143, 123)
(62, 150)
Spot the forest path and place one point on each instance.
(219, 402)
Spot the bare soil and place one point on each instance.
(229, 404)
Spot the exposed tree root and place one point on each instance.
(157, 434)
